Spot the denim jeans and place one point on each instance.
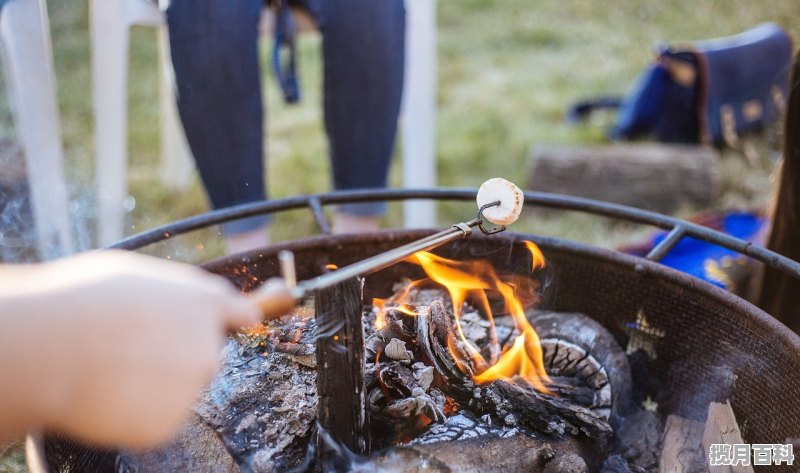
(214, 46)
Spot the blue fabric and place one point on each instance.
(692, 256)
(214, 45)
(658, 107)
(641, 107)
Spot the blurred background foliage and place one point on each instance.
(506, 73)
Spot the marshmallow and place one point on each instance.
(510, 197)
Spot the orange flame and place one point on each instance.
(380, 314)
(471, 280)
(537, 257)
(396, 302)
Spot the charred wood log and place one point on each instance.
(463, 426)
(397, 379)
(436, 337)
(569, 463)
(568, 455)
(399, 326)
(400, 399)
(485, 454)
(588, 334)
(638, 439)
(574, 390)
(517, 404)
(400, 394)
(340, 365)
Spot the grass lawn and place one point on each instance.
(506, 72)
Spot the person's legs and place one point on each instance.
(363, 52)
(214, 45)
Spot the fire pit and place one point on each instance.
(688, 344)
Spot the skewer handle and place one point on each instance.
(274, 298)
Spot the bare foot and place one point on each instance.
(241, 242)
(346, 223)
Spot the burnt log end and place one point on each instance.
(340, 365)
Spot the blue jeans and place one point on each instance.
(214, 47)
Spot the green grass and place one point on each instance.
(506, 72)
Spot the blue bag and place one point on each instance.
(707, 91)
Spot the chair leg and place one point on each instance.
(26, 42)
(419, 110)
(110, 38)
(177, 163)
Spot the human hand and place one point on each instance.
(125, 343)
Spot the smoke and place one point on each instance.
(17, 235)
(19, 242)
(17, 238)
(82, 217)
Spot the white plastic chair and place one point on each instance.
(25, 36)
(111, 23)
(418, 122)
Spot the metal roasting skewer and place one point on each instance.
(499, 202)
(382, 260)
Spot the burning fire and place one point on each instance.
(396, 302)
(476, 281)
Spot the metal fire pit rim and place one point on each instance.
(678, 228)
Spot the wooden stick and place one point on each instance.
(340, 365)
(682, 447)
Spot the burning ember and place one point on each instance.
(477, 283)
